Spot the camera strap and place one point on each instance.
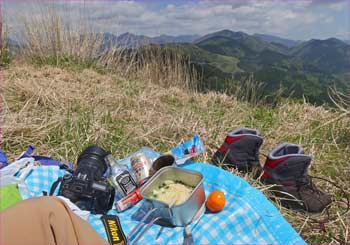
(114, 230)
(54, 185)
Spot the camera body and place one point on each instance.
(86, 187)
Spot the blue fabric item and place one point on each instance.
(28, 152)
(3, 159)
(44, 160)
(47, 161)
(41, 179)
(248, 217)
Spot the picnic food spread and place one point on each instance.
(147, 190)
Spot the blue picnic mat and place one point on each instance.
(248, 217)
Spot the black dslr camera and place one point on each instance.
(86, 187)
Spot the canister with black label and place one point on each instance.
(122, 179)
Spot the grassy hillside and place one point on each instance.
(226, 46)
(330, 55)
(62, 111)
(255, 43)
(307, 70)
(225, 63)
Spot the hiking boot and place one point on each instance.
(287, 166)
(240, 149)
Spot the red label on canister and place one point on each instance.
(128, 201)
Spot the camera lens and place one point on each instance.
(92, 161)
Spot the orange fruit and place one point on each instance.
(216, 201)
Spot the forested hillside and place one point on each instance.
(308, 69)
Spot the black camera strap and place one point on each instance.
(114, 230)
(54, 185)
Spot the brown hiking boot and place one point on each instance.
(287, 166)
(240, 149)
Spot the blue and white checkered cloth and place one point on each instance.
(248, 217)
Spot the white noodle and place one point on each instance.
(170, 191)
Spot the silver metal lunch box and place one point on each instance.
(181, 214)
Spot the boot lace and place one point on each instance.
(307, 184)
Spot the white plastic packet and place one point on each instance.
(16, 173)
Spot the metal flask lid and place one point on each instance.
(110, 160)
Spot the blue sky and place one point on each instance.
(299, 19)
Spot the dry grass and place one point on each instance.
(61, 112)
(151, 63)
(50, 38)
(48, 35)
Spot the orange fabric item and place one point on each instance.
(45, 220)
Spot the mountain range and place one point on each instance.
(132, 41)
(303, 69)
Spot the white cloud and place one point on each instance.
(338, 6)
(290, 19)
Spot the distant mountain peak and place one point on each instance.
(244, 40)
(165, 35)
(129, 34)
(335, 41)
(289, 43)
(332, 39)
(329, 41)
(224, 33)
(126, 34)
(131, 40)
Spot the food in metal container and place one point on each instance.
(172, 190)
(181, 214)
(141, 165)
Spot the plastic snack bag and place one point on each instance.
(151, 154)
(188, 149)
